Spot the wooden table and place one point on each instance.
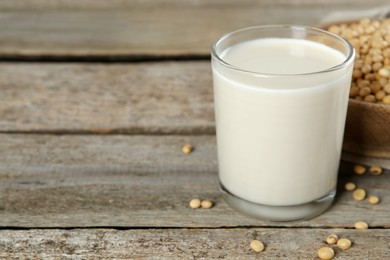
(97, 99)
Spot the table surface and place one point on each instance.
(97, 99)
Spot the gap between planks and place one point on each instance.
(131, 131)
(104, 59)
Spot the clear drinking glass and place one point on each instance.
(281, 97)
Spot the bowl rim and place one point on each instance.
(368, 104)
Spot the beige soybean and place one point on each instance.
(366, 68)
(355, 91)
(361, 225)
(370, 98)
(364, 91)
(257, 246)
(370, 77)
(187, 149)
(195, 203)
(359, 169)
(384, 72)
(359, 194)
(378, 57)
(386, 88)
(377, 66)
(375, 87)
(380, 95)
(383, 82)
(350, 186)
(373, 199)
(325, 253)
(363, 83)
(386, 53)
(206, 204)
(344, 243)
(357, 74)
(376, 170)
(386, 100)
(332, 239)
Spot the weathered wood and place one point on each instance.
(140, 181)
(188, 243)
(353, 158)
(143, 29)
(141, 98)
(85, 5)
(166, 97)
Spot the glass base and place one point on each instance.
(279, 213)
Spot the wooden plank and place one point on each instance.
(145, 98)
(26, 5)
(353, 158)
(140, 181)
(188, 243)
(143, 29)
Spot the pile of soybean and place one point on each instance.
(371, 75)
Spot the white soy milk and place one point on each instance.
(279, 137)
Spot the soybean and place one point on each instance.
(206, 204)
(325, 253)
(257, 246)
(386, 100)
(344, 243)
(359, 169)
(350, 186)
(195, 203)
(361, 225)
(332, 239)
(373, 199)
(187, 149)
(359, 194)
(376, 170)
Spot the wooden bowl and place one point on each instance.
(367, 129)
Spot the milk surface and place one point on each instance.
(279, 137)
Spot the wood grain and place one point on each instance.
(146, 98)
(358, 159)
(188, 243)
(140, 181)
(85, 5)
(85, 196)
(129, 30)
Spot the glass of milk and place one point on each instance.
(281, 97)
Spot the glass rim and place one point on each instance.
(339, 66)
